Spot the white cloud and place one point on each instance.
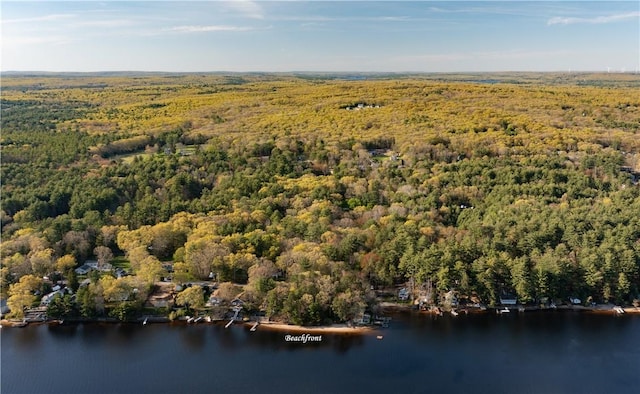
(345, 19)
(249, 9)
(44, 18)
(562, 20)
(20, 41)
(106, 23)
(209, 28)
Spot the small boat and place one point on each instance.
(379, 337)
(255, 327)
(618, 310)
(504, 310)
(207, 319)
(144, 323)
(454, 313)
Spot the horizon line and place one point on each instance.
(571, 71)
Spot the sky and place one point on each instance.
(333, 36)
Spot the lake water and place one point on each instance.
(518, 353)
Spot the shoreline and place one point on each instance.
(333, 329)
(339, 328)
(605, 309)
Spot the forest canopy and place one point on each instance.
(307, 194)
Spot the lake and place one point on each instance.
(537, 352)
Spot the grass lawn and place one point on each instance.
(121, 262)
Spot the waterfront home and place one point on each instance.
(47, 298)
(364, 320)
(508, 300)
(403, 294)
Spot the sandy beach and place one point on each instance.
(334, 329)
(12, 323)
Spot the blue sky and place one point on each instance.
(446, 36)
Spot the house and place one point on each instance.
(575, 301)
(122, 295)
(120, 273)
(508, 300)
(365, 319)
(47, 298)
(403, 294)
(92, 263)
(83, 269)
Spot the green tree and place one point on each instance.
(191, 297)
(347, 306)
(61, 307)
(66, 263)
(125, 310)
(151, 270)
(21, 294)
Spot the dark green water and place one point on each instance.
(521, 353)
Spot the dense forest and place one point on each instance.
(306, 193)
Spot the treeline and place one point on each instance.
(125, 145)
